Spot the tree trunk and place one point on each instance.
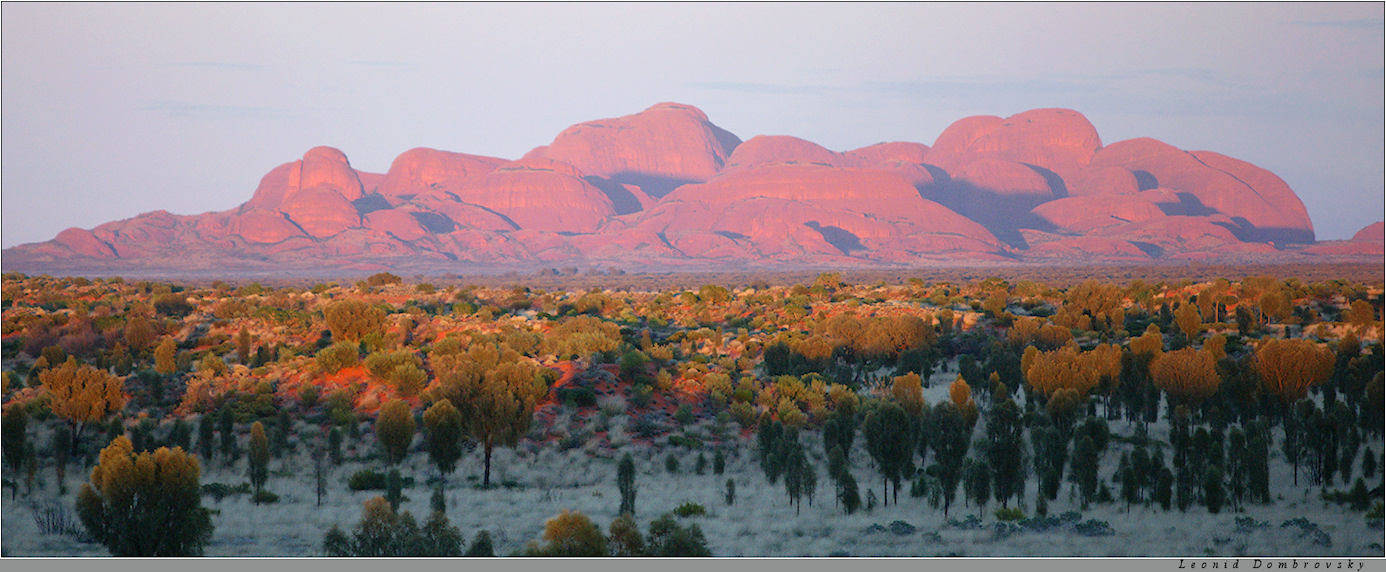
(486, 474)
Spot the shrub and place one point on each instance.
(671, 464)
(367, 480)
(689, 509)
(264, 497)
(335, 357)
(1009, 514)
(145, 504)
(383, 532)
(668, 539)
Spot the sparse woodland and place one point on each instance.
(135, 412)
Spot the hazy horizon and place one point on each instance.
(112, 110)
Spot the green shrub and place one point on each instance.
(367, 480)
(264, 497)
(1009, 514)
(690, 509)
(335, 357)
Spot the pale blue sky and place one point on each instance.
(111, 110)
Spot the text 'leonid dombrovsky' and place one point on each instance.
(1273, 564)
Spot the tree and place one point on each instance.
(625, 481)
(1085, 468)
(949, 439)
(394, 428)
(570, 534)
(1361, 314)
(352, 320)
(1004, 451)
(1213, 491)
(384, 532)
(1187, 376)
(667, 539)
(625, 539)
(138, 333)
(977, 482)
(1188, 320)
(259, 457)
(443, 430)
(165, 357)
(495, 391)
(891, 444)
(14, 436)
(145, 504)
(82, 395)
(1289, 368)
(243, 346)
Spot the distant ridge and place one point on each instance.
(666, 188)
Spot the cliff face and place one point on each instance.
(667, 187)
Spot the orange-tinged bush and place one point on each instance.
(959, 392)
(908, 392)
(146, 504)
(1289, 368)
(1069, 368)
(82, 394)
(1186, 376)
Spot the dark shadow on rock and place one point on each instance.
(732, 235)
(1056, 183)
(1144, 180)
(434, 222)
(621, 198)
(371, 203)
(728, 139)
(654, 185)
(1188, 205)
(840, 238)
(1149, 249)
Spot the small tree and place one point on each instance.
(570, 534)
(625, 481)
(146, 504)
(165, 357)
(625, 537)
(243, 346)
(394, 428)
(82, 394)
(259, 458)
(891, 443)
(443, 430)
(949, 439)
(667, 539)
(14, 436)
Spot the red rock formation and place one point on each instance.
(1080, 215)
(763, 150)
(84, 243)
(539, 194)
(658, 149)
(998, 194)
(801, 210)
(950, 148)
(1258, 216)
(428, 172)
(320, 211)
(320, 167)
(1087, 249)
(1164, 236)
(1287, 217)
(397, 223)
(1374, 232)
(882, 153)
(1102, 181)
(1059, 140)
(262, 226)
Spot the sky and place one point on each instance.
(115, 109)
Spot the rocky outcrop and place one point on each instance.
(658, 149)
(429, 172)
(666, 188)
(1259, 215)
(1374, 232)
